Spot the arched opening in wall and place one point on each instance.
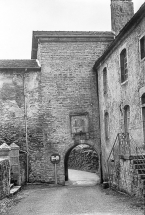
(81, 165)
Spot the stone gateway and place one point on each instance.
(69, 92)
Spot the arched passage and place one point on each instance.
(83, 146)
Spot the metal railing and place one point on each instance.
(124, 147)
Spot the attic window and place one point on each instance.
(142, 47)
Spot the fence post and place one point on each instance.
(15, 165)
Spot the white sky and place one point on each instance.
(20, 17)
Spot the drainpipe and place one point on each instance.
(26, 127)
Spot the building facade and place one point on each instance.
(121, 83)
(57, 100)
(49, 104)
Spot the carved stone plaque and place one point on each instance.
(79, 124)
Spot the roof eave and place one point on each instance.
(36, 37)
(25, 69)
(133, 22)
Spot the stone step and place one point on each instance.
(137, 157)
(142, 176)
(141, 171)
(139, 161)
(14, 190)
(139, 166)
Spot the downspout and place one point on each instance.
(101, 171)
(26, 127)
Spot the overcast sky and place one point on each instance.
(18, 18)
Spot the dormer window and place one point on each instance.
(123, 65)
(142, 47)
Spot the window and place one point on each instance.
(123, 65)
(106, 125)
(126, 118)
(142, 47)
(143, 113)
(143, 99)
(105, 80)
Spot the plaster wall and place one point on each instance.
(121, 94)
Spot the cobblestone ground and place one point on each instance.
(76, 200)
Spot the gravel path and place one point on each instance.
(82, 196)
(76, 200)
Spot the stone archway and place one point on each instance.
(66, 158)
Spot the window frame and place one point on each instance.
(105, 87)
(123, 59)
(140, 48)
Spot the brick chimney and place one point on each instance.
(121, 12)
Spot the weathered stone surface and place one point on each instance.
(119, 95)
(4, 177)
(121, 12)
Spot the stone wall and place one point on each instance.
(45, 100)
(125, 177)
(4, 177)
(68, 86)
(121, 94)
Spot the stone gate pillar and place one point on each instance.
(5, 151)
(15, 164)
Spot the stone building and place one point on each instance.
(121, 84)
(50, 104)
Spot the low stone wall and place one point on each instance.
(125, 178)
(84, 159)
(4, 177)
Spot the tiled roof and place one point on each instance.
(17, 64)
